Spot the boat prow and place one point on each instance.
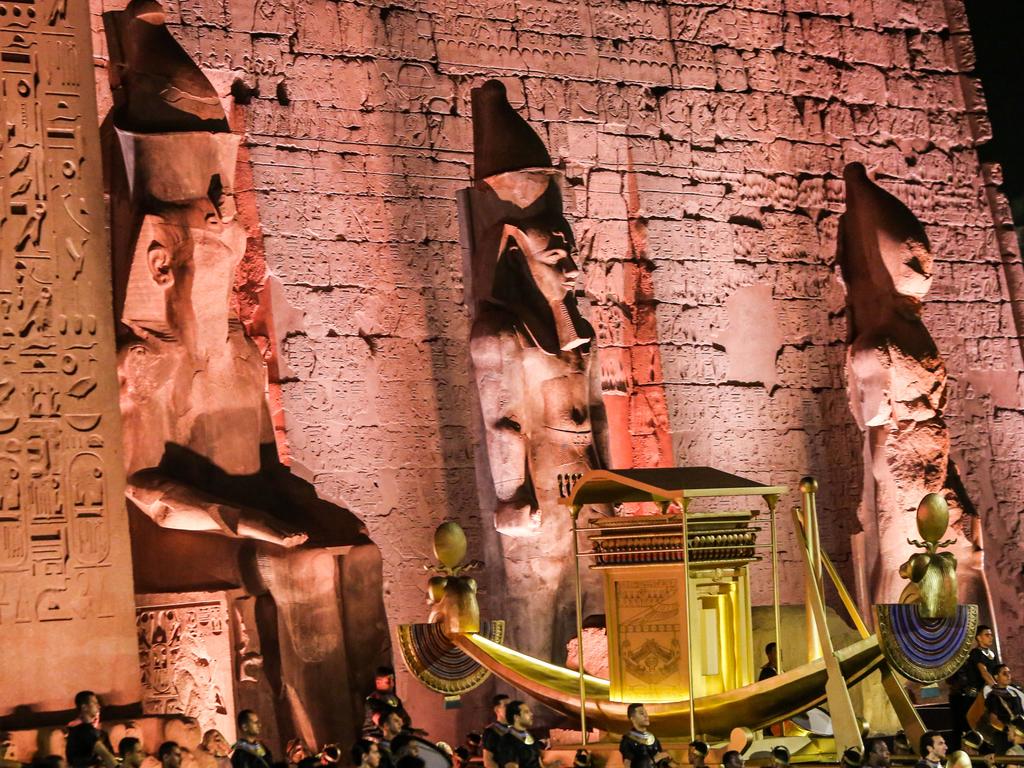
(763, 703)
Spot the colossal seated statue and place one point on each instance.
(211, 505)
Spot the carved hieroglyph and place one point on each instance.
(66, 610)
(531, 351)
(211, 503)
(896, 382)
(185, 657)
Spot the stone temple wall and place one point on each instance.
(704, 144)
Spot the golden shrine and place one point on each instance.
(671, 633)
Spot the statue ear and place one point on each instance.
(159, 258)
(150, 276)
(509, 242)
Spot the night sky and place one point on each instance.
(997, 25)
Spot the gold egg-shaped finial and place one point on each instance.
(449, 544)
(809, 485)
(958, 759)
(932, 517)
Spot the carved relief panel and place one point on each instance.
(185, 658)
(65, 570)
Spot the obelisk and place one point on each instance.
(66, 598)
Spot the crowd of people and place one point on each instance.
(986, 707)
(987, 712)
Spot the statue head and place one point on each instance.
(191, 377)
(522, 247)
(893, 235)
(188, 242)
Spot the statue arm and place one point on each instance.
(498, 372)
(868, 368)
(598, 413)
(172, 504)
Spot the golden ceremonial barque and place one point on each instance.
(678, 614)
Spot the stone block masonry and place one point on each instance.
(719, 128)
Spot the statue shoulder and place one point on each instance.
(493, 333)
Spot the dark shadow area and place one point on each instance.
(25, 718)
(996, 30)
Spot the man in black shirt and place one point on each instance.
(933, 751)
(517, 748)
(249, 751)
(390, 724)
(87, 745)
(1003, 704)
(131, 752)
(971, 678)
(383, 697)
(771, 668)
(639, 747)
(494, 731)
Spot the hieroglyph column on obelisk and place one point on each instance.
(66, 597)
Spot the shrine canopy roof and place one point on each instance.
(611, 486)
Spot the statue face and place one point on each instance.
(548, 256)
(193, 379)
(190, 254)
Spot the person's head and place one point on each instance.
(215, 743)
(1003, 676)
(169, 755)
(248, 725)
(985, 636)
(519, 715)
(131, 752)
(88, 705)
(365, 753)
(732, 759)
(410, 761)
(404, 744)
(391, 723)
(772, 652)
(498, 705)
(384, 679)
(696, 752)
(933, 746)
(637, 715)
(876, 753)
(780, 757)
